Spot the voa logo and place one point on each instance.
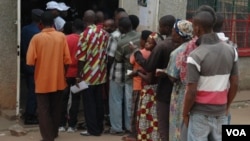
(236, 132)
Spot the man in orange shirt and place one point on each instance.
(49, 53)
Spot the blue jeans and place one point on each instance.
(204, 128)
(116, 96)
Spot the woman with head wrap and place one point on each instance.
(147, 123)
(181, 34)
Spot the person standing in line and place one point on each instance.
(164, 88)
(54, 7)
(48, 51)
(64, 10)
(100, 18)
(70, 116)
(30, 115)
(181, 34)
(212, 82)
(115, 76)
(135, 21)
(121, 85)
(109, 26)
(92, 68)
(147, 121)
(137, 85)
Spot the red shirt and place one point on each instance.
(72, 40)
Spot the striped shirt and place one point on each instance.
(210, 65)
(92, 50)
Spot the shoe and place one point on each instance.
(112, 132)
(71, 130)
(61, 129)
(85, 133)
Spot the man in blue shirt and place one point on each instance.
(27, 33)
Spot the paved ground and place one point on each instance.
(239, 110)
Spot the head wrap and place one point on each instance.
(155, 36)
(184, 28)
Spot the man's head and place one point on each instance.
(64, 9)
(99, 17)
(109, 25)
(135, 21)
(203, 23)
(47, 19)
(125, 25)
(219, 23)
(166, 24)
(54, 8)
(89, 17)
(118, 16)
(36, 15)
(118, 10)
(208, 9)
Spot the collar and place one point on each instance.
(210, 38)
(48, 29)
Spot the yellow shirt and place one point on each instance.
(48, 51)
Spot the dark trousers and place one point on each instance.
(163, 119)
(70, 117)
(31, 103)
(49, 109)
(134, 109)
(93, 109)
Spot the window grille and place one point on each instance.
(237, 19)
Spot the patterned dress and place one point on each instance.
(147, 122)
(177, 96)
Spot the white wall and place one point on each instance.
(150, 15)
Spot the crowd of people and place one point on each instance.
(175, 84)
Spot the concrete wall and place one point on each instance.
(150, 15)
(8, 57)
(244, 69)
(176, 8)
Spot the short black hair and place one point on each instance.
(219, 23)
(168, 20)
(208, 9)
(119, 9)
(47, 18)
(125, 23)
(204, 19)
(134, 20)
(145, 34)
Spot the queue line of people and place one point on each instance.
(151, 91)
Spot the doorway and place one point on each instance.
(76, 11)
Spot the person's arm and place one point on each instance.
(147, 77)
(234, 80)
(149, 64)
(193, 76)
(191, 90)
(81, 56)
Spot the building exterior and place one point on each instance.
(149, 15)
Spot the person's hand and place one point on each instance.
(186, 120)
(133, 73)
(159, 72)
(78, 80)
(132, 46)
